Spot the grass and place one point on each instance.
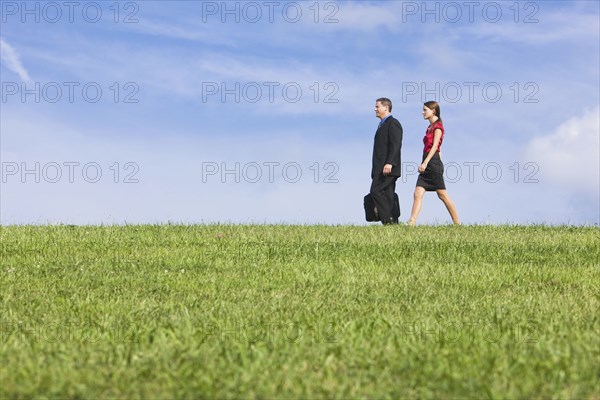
(243, 311)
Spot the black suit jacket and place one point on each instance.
(386, 148)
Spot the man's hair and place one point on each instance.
(385, 102)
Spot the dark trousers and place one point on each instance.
(382, 190)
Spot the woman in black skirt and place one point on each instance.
(431, 171)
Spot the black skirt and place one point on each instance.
(432, 178)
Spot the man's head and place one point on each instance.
(383, 107)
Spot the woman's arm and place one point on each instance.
(437, 135)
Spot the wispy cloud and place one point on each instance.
(548, 28)
(569, 156)
(364, 17)
(186, 30)
(10, 58)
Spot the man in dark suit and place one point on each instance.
(386, 160)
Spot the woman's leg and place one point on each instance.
(443, 195)
(417, 204)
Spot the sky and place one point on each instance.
(263, 111)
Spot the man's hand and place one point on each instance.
(387, 169)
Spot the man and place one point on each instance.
(386, 160)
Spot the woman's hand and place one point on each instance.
(422, 167)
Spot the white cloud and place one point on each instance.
(367, 17)
(10, 58)
(184, 29)
(543, 27)
(569, 157)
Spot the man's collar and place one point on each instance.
(383, 119)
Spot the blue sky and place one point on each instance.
(269, 119)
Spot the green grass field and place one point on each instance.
(240, 311)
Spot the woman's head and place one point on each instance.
(431, 107)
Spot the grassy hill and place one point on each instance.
(230, 311)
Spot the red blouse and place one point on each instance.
(429, 134)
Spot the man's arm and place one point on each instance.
(394, 145)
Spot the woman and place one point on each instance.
(431, 170)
